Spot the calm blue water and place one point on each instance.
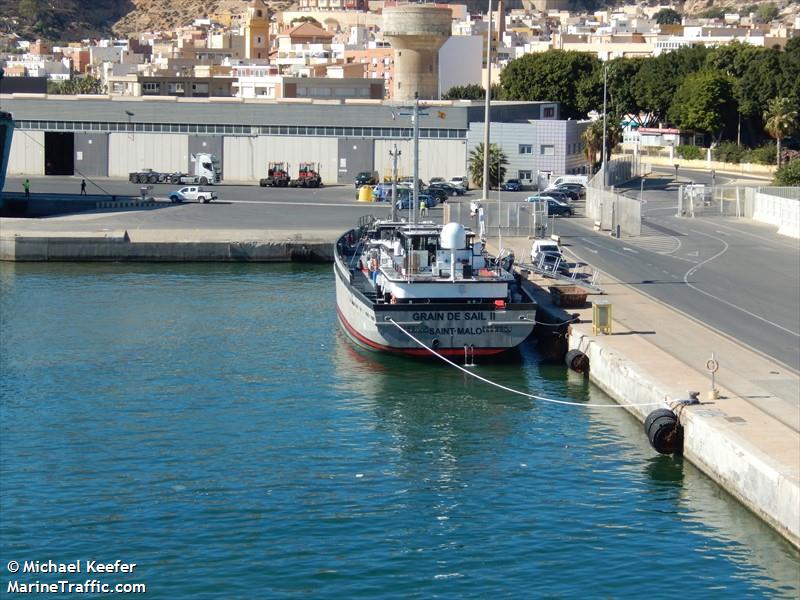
(212, 425)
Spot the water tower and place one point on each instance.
(416, 32)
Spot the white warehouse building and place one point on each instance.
(103, 137)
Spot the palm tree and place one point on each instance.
(593, 142)
(497, 165)
(780, 120)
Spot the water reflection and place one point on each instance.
(730, 528)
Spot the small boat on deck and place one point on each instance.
(396, 281)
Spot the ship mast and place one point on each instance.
(486, 117)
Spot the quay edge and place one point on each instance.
(193, 247)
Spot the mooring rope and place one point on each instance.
(508, 389)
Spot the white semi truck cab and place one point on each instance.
(206, 171)
(206, 166)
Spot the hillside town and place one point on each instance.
(337, 48)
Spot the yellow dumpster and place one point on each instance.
(365, 194)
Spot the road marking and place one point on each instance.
(278, 203)
(695, 268)
(629, 250)
(718, 331)
(695, 253)
(763, 238)
(721, 232)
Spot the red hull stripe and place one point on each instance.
(413, 351)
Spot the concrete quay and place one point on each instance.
(747, 439)
(163, 245)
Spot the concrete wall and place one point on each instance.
(246, 158)
(781, 212)
(129, 152)
(710, 164)
(27, 153)
(91, 154)
(117, 246)
(437, 158)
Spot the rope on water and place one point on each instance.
(508, 389)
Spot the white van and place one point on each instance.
(582, 179)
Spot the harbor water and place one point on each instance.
(212, 424)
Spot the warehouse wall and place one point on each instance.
(437, 158)
(27, 153)
(158, 151)
(91, 154)
(245, 158)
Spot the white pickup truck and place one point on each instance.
(193, 193)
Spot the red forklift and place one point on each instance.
(308, 176)
(277, 175)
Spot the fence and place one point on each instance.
(611, 210)
(508, 218)
(620, 170)
(779, 206)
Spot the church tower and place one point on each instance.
(256, 30)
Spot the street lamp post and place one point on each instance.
(130, 130)
(605, 86)
(486, 116)
(395, 154)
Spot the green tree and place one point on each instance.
(668, 16)
(789, 68)
(305, 19)
(472, 91)
(574, 79)
(756, 76)
(76, 86)
(704, 102)
(788, 174)
(497, 165)
(593, 143)
(766, 13)
(780, 120)
(622, 95)
(659, 78)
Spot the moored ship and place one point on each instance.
(397, 281)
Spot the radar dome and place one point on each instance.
(453, 236)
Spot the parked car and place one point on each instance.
(404, 203)
(578, 188)
(192, 193)
(555, 194)
(436, 180)
(366, 178)
(451, 190)
(462, 182)
(437, 192)
(558, 208)
(512, 185)
(573, 195)
(409, 181)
